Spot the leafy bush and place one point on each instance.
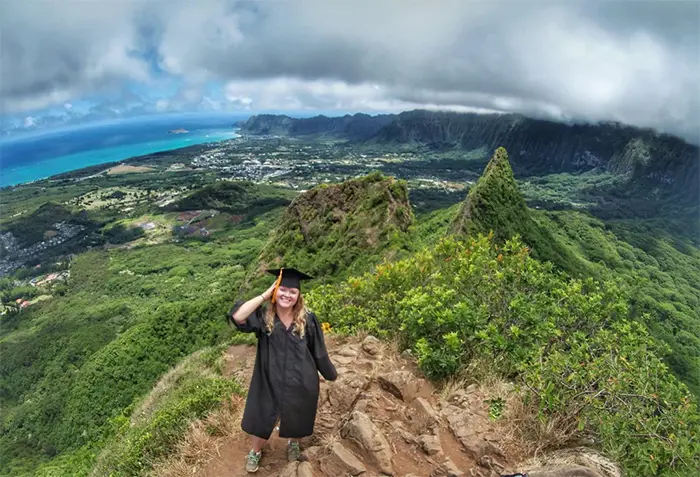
(478, 300)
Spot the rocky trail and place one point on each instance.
(382, 418)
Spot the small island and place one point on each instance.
(178, 131)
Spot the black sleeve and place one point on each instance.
(317, 346)
(253, 324)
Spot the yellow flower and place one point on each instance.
(326, 327)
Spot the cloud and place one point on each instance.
(578, 59)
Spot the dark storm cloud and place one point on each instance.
(630, 61)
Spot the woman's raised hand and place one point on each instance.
(268, 293)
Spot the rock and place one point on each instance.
(361, 430)
(447, 469)
(310, 453)
(371, 345)
(290, 470)
(322, 394)
(343, 360)
(424, 411)
(459, 425)
(305, 470)
(407, 354)
(492, 436)
(341, 461)
(404, 385)
(347, 351)
(564, 471)
(477, 447)
(430, 445)
(472, 388)
(341, 396)
(489, 462)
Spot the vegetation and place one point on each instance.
(568, 341)
(238, 198)
(339, 229)
(79, 368)
(73, 364)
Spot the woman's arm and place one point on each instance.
(317, 346)
(246, 309)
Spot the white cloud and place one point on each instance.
(577, 59)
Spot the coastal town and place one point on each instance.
(139, 193)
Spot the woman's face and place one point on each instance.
(287, 297)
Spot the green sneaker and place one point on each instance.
(253, 461)
(293, 451)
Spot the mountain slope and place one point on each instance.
(647, 159)
(335, 229)
(355, 127)
(494, 203)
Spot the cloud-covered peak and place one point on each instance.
(633, 62)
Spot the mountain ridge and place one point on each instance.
(536, 146)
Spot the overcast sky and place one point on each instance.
(636, 62)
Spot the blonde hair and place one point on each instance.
(299, 312)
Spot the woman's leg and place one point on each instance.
(257, 443)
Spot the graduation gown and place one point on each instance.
(285, 381)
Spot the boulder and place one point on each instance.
(477, 447)
(404, 385)
(362, 431)
(290, 470)
(430, 445)
(305, 470)
(372, 346)
(424, 411)
(447, 469)
(340, 461)
(347, 351)
(310, 453)
(341, 395)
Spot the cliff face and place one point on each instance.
(355, 127)
(536, 147)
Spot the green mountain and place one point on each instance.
(494, 204)
(341, 229)
(355, 127)
(245, 199)
(649, 160)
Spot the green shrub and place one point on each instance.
(477, 300)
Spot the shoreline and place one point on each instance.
(111, 163)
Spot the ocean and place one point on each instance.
(32, 157)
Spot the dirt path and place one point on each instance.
(379, 417)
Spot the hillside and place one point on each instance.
(651, 266)
(339, 229)
(536, 146)
(355, 127)
(246, 200)
(380, 416)
(118, 363)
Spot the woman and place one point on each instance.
(290, 353)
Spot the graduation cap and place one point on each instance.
(288, 277)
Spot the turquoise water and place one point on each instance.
(29, 158)
(48, 167)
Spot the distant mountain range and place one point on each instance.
(536, 146)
